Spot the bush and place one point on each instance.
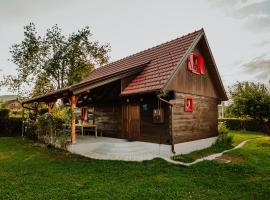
(243, 124)
(222, 128)
(224, 139)
(15, 113)
(49, 127)
(45, 124)
(61, 115)
(42, 111)
(3, 105)
(30, 129)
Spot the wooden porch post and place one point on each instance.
(50, 105)
(36, 110)
(22, 122)
(73, 102)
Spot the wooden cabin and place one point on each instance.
(167, 94)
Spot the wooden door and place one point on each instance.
(131, 120)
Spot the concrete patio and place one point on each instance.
(106, 148)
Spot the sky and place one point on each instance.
(238, 31)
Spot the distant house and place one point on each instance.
(167, 94)
(13, 104)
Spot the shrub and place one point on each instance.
(45, 124)
(15, 113)
(30, 128)
(3, 105)
(224, 139)
(49, 129)
(222, 128)
(61, 115)
(42, 111)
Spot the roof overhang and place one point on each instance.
(84, 86)
(88, 85)
(57, 94)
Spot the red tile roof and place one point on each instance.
(161, 59)
(156, 66)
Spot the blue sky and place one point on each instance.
(237, 30)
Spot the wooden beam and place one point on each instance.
(73, 103)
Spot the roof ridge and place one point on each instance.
(139, 52)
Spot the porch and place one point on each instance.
(107, 148)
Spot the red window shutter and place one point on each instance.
(201, 64)
(189, 104)
(196, 63)
(190, 62)
(84, 114)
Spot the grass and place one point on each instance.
(28, 171)
(238, 137)
(187, 158)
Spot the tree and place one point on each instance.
(62, 60)
(251, 100)
(42, 86)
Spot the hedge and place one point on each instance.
(10, 126)
(4, 113)
(243, 124)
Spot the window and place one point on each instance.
(189, 104)
(196, 63)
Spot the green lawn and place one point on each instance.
(28, 171)
(238, 137)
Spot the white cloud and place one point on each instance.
(246, 3)
(260, 67)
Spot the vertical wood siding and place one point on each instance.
(191, 83)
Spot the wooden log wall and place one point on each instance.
(108, 118)
(199, 124)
